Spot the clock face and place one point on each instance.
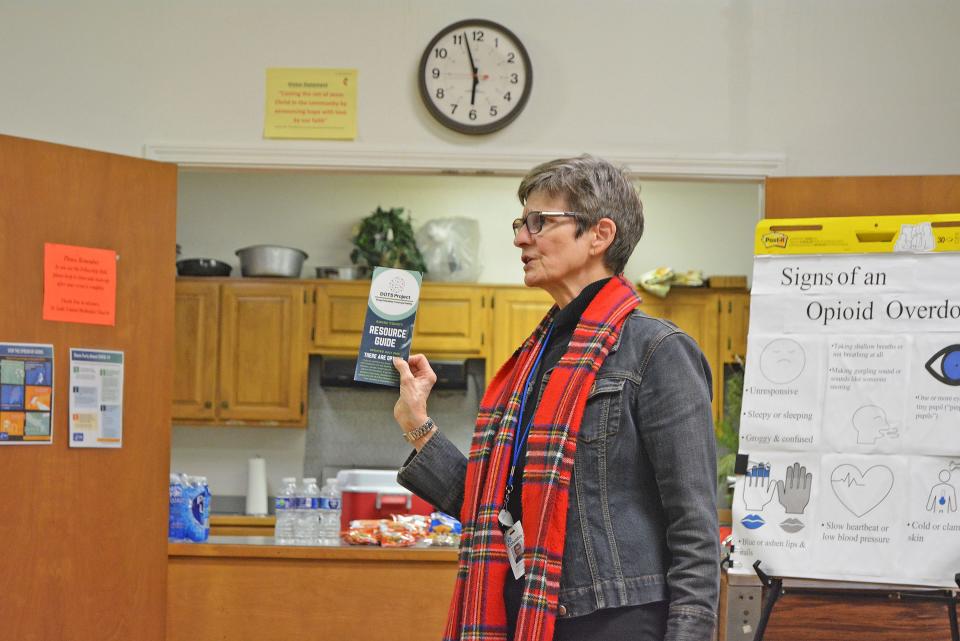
(475, 76)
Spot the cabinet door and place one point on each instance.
(734, 320)
(450, 319)
(516, 313)
(195, 350)
(341, 308)
(262, 360)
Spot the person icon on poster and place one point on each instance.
(943, 496)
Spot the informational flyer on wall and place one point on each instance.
(388, 328)
(96, 398)
(851, 404)
(26, 394)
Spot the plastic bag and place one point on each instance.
(451, 249)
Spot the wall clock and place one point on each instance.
(475, 76)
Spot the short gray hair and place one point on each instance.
(597, 189)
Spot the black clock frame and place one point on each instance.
(450, 123)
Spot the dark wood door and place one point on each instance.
(84, 530)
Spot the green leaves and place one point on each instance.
(385, 238)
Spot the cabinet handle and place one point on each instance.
(208, 405)
(224, 404)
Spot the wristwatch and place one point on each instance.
(419, 432)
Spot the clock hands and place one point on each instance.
(473, 70)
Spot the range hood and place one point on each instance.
(338, 372)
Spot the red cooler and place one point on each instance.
(375, 494)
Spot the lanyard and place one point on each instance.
(521, 436)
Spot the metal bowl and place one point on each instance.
(349, 272)
(271, 260)
(203, 267)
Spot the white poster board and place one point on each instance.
(851, 404)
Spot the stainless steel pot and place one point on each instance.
(271, 260)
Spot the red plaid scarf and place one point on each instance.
(477, 611)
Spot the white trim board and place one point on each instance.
(751, 167)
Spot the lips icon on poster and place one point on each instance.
(948, 370)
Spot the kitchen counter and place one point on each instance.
(264, 547)
(248, 587)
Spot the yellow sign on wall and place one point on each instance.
(317, 104)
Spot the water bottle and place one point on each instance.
(285, 511)
(330, 513)
(308, 508)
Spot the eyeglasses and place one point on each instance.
(534, 220)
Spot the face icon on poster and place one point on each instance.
(943, 495)
(947, 370)
(870, 423)
(782, 361)
(860, 492)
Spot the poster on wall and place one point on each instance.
(26, 394)
(316, 104)
(96, 398)
(850, 423)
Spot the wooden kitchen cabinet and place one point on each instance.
(516, 312)
(451, 319)
(715, 319)
(197, 313)
(240, 356)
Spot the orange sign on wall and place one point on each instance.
(79, 284)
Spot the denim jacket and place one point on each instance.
(642, 521)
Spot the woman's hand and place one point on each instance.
(416, 380)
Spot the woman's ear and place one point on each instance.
(605, 231)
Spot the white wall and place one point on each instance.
(840, 87)
(689, 225)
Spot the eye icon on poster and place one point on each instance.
(782, 361)
(948, 371)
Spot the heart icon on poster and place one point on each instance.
(859, 491)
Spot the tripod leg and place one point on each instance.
(773, 593)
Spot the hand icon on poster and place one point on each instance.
(759, 488)
(794, 494)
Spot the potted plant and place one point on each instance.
(385, 238)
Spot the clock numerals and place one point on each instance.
(465, 65)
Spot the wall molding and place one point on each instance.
(328, 159)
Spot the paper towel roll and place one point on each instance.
(257, 487)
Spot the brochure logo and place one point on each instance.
(394, 294)
(774, 239)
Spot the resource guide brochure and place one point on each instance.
(388, 328)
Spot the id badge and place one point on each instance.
(513, 538)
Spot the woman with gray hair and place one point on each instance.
(588, 497)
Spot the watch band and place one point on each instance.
(419, 432)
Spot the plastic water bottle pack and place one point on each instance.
(189, 516)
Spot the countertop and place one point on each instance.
(264, 547)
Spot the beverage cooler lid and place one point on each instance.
(374, 481)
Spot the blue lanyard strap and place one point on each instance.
(521, 436)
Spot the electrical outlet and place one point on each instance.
(743, 611)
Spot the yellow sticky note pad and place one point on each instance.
(317, 104)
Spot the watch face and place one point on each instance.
(475, 76)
